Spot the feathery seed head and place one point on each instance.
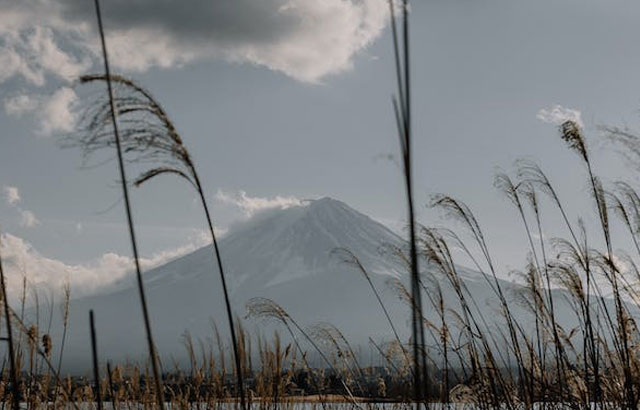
(572, 134)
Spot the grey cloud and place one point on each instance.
(307, 40)
(193, 20)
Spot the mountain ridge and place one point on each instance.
(281, 254)
(284, 255)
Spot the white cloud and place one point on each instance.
(20, 104)
(52, 59)
(13, 198)
(13, 64)
(22, 260)
(12, 195)
(559, 114)
(28, 219)
(304, 39)
(251, 205)
(31, 34)
(326, 37)
(55, 113)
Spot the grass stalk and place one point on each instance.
(94, 355)
(12, 357)
(153, 357)
(403, 76)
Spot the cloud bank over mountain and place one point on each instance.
(306, 40)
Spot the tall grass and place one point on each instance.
(13, 369)
(403, 118)
(153, 357)
(150, 136)
(281, 379)
(351, 259)
(490, 358)
(94, 355)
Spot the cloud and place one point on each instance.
(51, 58)
(13, 198)
(20, 104)
(559, 114)
(304, 39)
(12, 195)
(28, 219)
(55, 113)
(31, 34)
(251, 205)
(22, 260)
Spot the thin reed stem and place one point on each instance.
(123, 180)
(234, 340)
(403, 77)
(12, 357)
(94, 355)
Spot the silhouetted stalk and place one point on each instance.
(65, 327)
(353, 259)
(404, 92)
(385, 356)
(94, 355)
(572, 134)
(396, 56)
(267, 308)
(591, 342)
(630, 215)
(458, 210)
(112, 390)
(437, 252)
(531, 173)
(123, 180)
(405, 295)
(504, 183)
(12, 363)
(439, 306)
(324, 358)
(24, 330)
(150, 134)
(234, 340)
(329, 334)
(533, 200)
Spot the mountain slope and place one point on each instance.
(284, 255)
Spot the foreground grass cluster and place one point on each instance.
(519, 365)
(455, 353)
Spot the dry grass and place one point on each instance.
(496, 362)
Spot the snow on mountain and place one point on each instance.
(284, 255)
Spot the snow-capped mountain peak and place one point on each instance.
(284, 255)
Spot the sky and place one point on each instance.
(285, 100)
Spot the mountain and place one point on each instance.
(284, 255)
